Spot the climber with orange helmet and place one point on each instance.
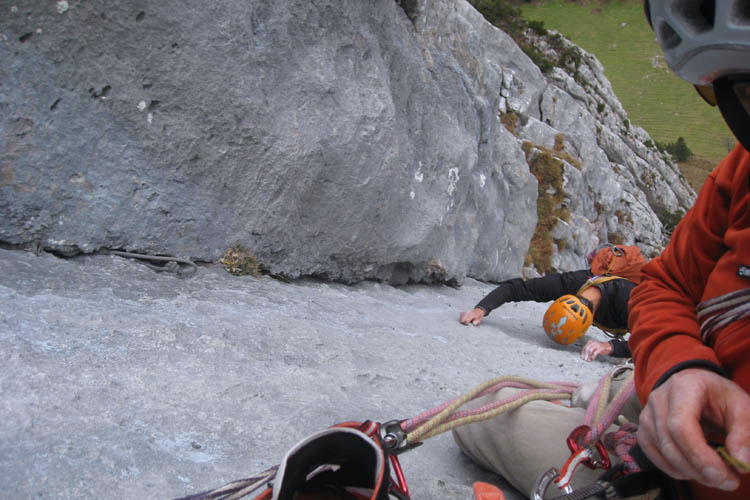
(579, 301)
(690, 313)
(568, 318)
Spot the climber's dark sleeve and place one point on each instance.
(613, 308)
(620, 349)
(543, 289)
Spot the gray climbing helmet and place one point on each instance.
(702, 40)
(707, 43)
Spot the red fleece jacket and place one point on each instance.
(708, 256)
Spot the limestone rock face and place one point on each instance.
(339, 139)
(620, 189)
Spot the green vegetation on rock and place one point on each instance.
(239, 261)
(547, 167)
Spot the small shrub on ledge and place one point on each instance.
(239, 261)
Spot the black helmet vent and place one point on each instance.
(668, 37)
(698, 14)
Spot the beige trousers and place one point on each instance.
(523, 444)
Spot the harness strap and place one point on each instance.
(598, 280)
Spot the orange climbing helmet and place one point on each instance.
(567, 319)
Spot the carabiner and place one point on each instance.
(543, 483)
(575, 446)
(565, 476)
(393, 438)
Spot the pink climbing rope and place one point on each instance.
(448, 416)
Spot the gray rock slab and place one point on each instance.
(119, 382)
(330, 138)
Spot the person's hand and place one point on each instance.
(670, 432)
(594, 348)
(474, 316)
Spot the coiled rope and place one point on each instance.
(447, 417)
(719, 311)
(600, 415)
(622, 442)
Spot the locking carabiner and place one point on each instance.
(575, 447)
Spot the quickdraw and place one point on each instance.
(584, 441)
(544, 482)
(588, 491)
(581, 455)
(574, 445)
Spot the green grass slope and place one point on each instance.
(617, 33)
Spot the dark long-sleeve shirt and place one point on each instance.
(612, 312)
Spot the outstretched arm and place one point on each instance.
(542, 289)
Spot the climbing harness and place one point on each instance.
(172, 263)
(331, 458)
(392, 438)
(598, 280)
